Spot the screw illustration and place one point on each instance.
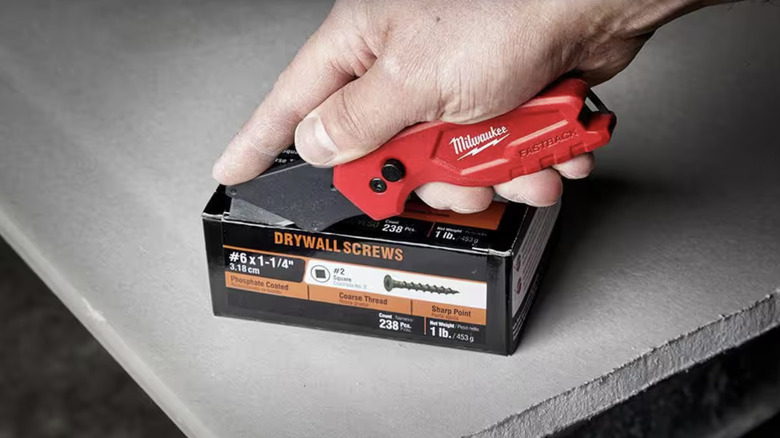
(391, 284)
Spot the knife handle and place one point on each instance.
(551, 128)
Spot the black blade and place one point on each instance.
(243, 211)
(298, 192)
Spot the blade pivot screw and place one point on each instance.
(377, 185)
(393, 170)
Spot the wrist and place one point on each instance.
(631, 18)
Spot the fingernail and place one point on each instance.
(218, 171)
(313, 143)
(465, 210)
(224, 169)
(542, 204)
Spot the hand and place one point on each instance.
(376, 66)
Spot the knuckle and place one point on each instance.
(286, 97)
(396, 74)
(348, 118)
(408, 85)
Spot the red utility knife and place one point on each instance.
(563, 121)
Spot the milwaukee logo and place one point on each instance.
(470, 146)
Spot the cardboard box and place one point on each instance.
(428, 276)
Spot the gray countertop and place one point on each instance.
(111, 114)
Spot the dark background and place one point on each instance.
(55, 378)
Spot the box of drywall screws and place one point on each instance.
(429, 276)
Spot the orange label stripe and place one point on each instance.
(471, 315)
(263, 285)
(360, 299)
(366, 300)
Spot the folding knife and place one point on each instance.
(563, 121)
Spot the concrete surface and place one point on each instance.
(112, 112)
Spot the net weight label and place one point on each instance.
(265, 265)
(464, 236)
(446, 331)
(456, 331)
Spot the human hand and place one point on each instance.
(375, 67)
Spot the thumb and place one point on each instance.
(358, 118)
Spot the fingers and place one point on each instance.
(442, 196)
(544, 188)
(319, 69)
(357, 119)
(578, 167)
(540, 189)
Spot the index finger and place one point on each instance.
(314, 74)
